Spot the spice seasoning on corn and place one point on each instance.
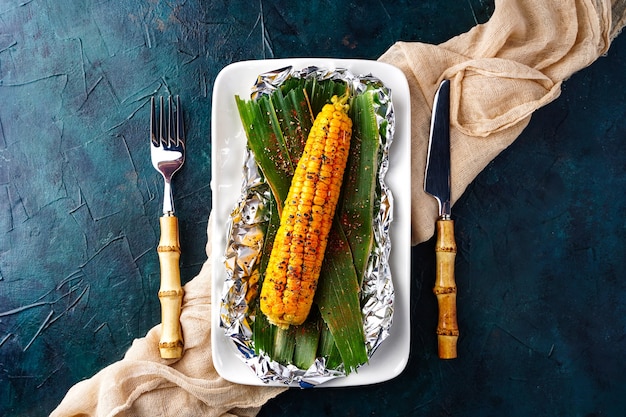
(296, 258)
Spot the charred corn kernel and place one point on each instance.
(296, 258)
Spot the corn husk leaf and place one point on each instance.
(284, 345)
(306, 338)
(267, 143)
(327, 348)
(264, 333)
(358, 201)
(337, 298)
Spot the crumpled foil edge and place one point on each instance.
(245, 241)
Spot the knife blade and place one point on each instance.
(437, 184)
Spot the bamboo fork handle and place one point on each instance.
(170, 292)
(445, 289)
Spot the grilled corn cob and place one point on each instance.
(296, 258)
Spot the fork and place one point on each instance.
(167, 152)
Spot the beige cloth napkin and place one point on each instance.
(143, 384)
(501, 72)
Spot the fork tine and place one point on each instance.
(162, 126)
(170, 122)
(167, 130)
(153, 123)
(180, 128)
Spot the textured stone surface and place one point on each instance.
(541, 232)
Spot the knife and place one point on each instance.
(437, 184)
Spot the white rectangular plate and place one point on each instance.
(228, 147)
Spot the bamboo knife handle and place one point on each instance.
(170, 291)
(445, 289)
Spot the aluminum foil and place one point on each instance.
(247, 223)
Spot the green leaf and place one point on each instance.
(327, 348)
(357, 204)
(337, 297)
(266, 141)
(293, 117)
(284, 345)
(306, 337)
(264, 333)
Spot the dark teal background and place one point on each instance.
(541, 263)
